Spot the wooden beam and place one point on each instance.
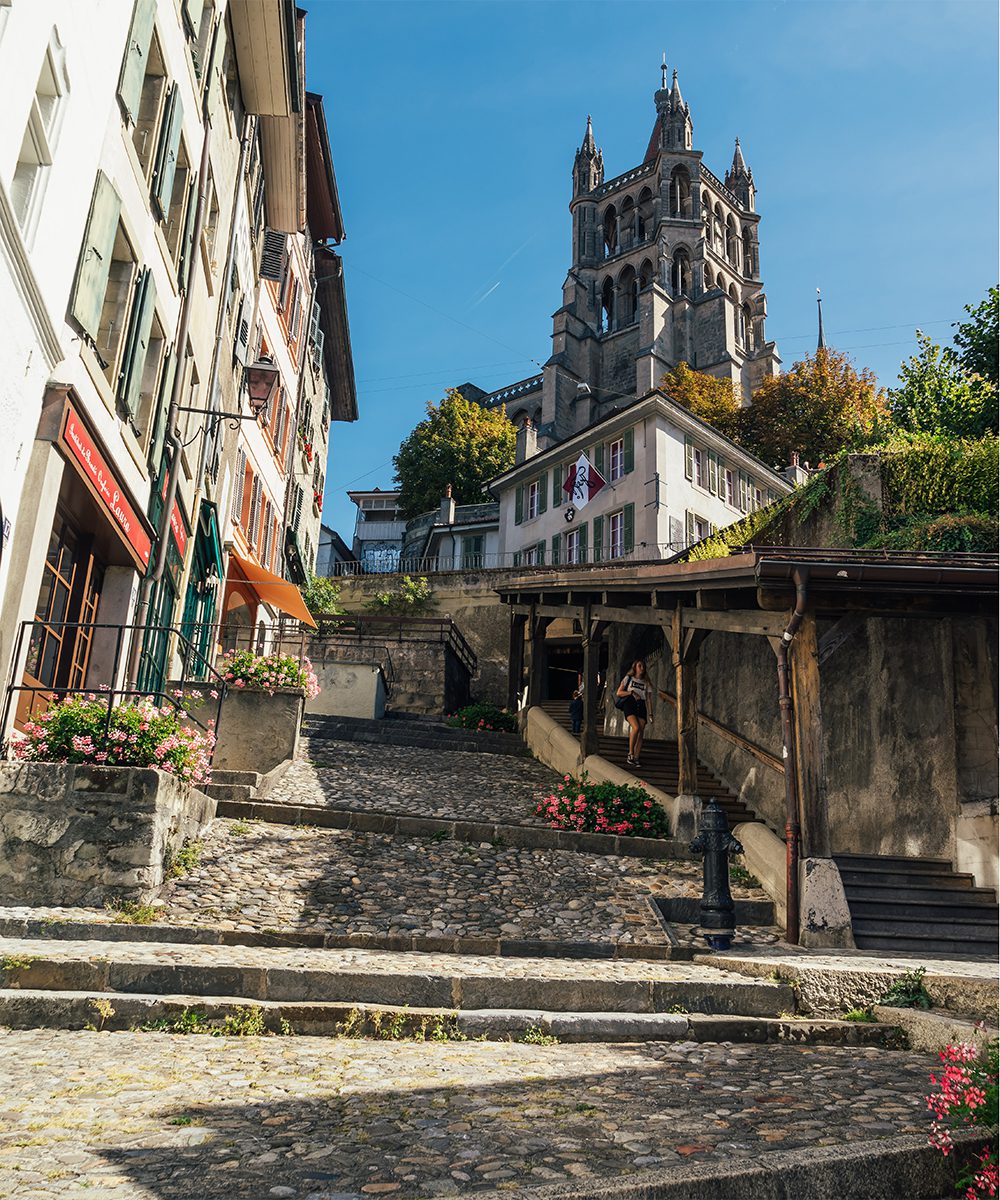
(834, 638)
(593, 634)
(536, 681)
(555, 612)
(736, 739)
(685, 662)
(749, 621)
(640, 614)
(515, 662)
(807, 714)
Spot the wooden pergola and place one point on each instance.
(771, 592)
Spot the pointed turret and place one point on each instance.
(673, 129)
(821, 340)
(588, 166)
(739, 179)
(676, 99)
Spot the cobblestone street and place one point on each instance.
(152, 1116)
(419, 782)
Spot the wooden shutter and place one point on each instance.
(598, 539)
(629, 450)
(136, 57)
(162, 405)
(185, 263)
(192, 16)
(555, 550)
(688, 459)
(540, 553)
(167, 151)
(582, 551)
(713, 473)
(92, 270)
(688, 528)
(558, 477)
(251, 531)
(272, 256)
(517, 558)
(543, 493)
(628, 528)
(519, 504)
(137, 342)
(241, 339)
(599, 458)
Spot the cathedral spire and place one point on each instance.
(739, 167)
(588, 166)
(821, 342)
(676, 99)
(589, 146)
(739, 178)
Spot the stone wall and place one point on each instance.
(83, 834)
(258, 730)
(348, 689)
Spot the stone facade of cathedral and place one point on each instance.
(665, 268)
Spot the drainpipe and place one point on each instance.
(173, 437)
(792, 830)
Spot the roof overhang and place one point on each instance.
(264, 39)
(332, 298)
(323, 212)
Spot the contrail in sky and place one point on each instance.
(485, 294)
(509, 259)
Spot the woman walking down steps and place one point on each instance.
(634, 698)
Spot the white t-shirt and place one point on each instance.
(635, 687)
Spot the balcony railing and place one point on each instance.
(508, 561)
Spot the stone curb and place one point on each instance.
(934, 1030)
(36, 1008)
(881, 1169)
(20, 927)
(527, 837)
(714, 999)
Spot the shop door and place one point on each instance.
(156, 640)
(63, 632)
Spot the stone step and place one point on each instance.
(914, 943)
(940, 908)
(224, 792)
(866, 876)
(403, 732)
(39, 1009)
(383, 979)
(248, 778)
(899, 894)
(969, 929)
(939, 866)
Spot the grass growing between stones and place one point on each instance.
(908, 991)
(740, 875)
(244, 1021)
(400, 1026)
(130, 912)
(860, 1015)
(16, 962)
(185, 860)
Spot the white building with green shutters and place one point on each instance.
(670, 481)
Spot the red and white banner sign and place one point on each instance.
(583, 482)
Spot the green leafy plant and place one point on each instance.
(17, 962)
(863, 1016)
(322, 596)
(185, 860)
(79, 729)
(535, 1036)
(740, 875)
(407, 598)
(908, 991)
(242, 669)
(612, 808)
(483, 717)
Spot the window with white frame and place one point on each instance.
(529, 556)
(151, 107)
(699, 468)
(35, 156)
(696, 528)
(616, 460)
(731, 487)
(573, 546)
(532, 505)
(616, 534)
(758, 497)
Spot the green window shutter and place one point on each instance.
(598, 538)
(628, 521)
(583, 542)
(95, 256)
(555, 551)
(167, 151)
(558, 477)
(599, 458)
(629, 450)
(543, 493)
(713, 473)
(519, 504)
(517, 558)
(688, 528)
(187, 256)
(137, 343)
(136, 56)
(160, 415)
(540, 553)
(688, 459)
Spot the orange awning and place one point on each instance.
(272, 589)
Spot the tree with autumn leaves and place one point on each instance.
(459, 443)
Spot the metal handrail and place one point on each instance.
(108, 688)
(406, 628)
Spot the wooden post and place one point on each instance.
(536, 682)
(807, 716)
(686, 647)
(515, 660)
(593, 635)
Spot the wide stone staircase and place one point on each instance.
(425, 733)
(660, 767)
(918, 904)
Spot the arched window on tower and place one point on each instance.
(717, 229)
(707, 278)
(737, 312)
(680, 276)
(680, 192)
(626, 223)
(720, 283)
(747, 322)
(644, 223)
(748, 263)
(607, 305)
(628, 296)
(645, 274)
(732, 242)
(610, 226)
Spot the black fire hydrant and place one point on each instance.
(716, 843)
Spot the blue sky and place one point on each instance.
(871, 129)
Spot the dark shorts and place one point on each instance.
(634, 708)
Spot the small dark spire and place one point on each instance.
(739, 166)
(663, 73)
(821, 343)
(588, 137)
(676, 99)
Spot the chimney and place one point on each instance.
(447, 507)
(795, 473)
(527, 442)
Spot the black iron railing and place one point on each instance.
(384, 627)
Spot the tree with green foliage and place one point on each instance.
(321, 595)
(977, 339)
(822, 406)
(937, 396)
(459, 443)
(714, 401)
